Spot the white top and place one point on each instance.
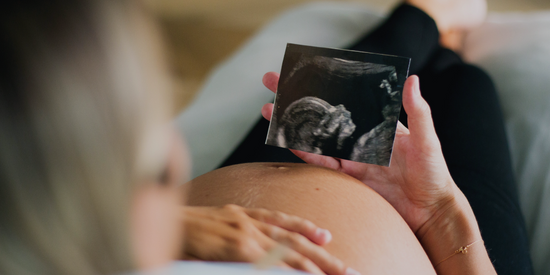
(225, 268)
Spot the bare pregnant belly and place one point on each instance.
(368, 234)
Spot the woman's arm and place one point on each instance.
(419, 186)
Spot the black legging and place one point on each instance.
(468, 121)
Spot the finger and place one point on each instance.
(299, 262)
(418, 111)
(273, 256)
(319, 256)
(291, 223)
(214, 239)
(270, 80)
(401, 129)
(267, 111)
(277, 252)
(316, 159)
(204, 238)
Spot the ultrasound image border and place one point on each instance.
(362, 94)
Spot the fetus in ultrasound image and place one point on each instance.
(311, 124)
(343, 104)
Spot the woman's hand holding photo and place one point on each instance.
(417, 183)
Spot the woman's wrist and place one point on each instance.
(453, 240)
(453, 226)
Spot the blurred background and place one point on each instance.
(202, 33)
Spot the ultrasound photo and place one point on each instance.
(338, 103)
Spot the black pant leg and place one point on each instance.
(408, 32)
(470, 125)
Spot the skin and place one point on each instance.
(452, 14)
(367, 231)
(164, 230)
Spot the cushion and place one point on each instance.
(513, 48)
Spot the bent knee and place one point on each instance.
(469, 78)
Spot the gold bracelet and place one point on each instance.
(461, 250)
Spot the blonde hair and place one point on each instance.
(82, 103)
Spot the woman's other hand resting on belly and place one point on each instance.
(419, 186)
(236, 234)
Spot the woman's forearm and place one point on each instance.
(453, 240)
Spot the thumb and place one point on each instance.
(419, 114)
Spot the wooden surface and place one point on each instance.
(202, 33)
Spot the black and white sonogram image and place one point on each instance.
(338, 103)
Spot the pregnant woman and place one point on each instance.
(89, 168)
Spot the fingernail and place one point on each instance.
(324, 235)
(417, 86)
(351, 271)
